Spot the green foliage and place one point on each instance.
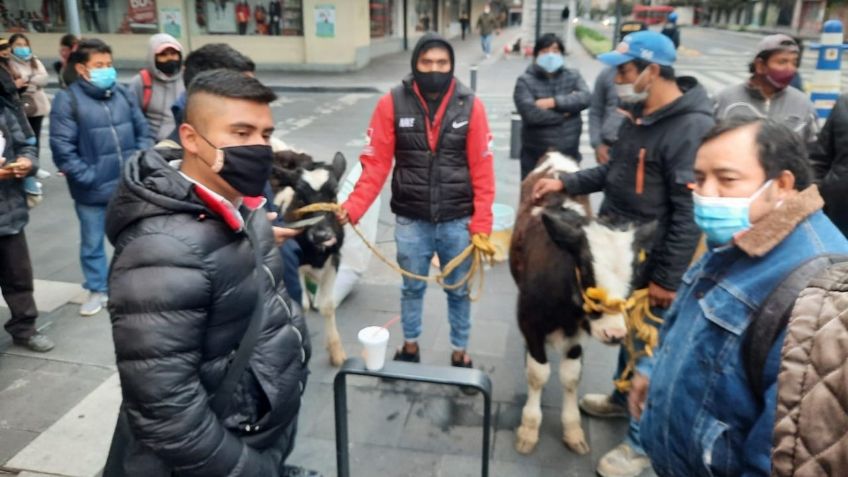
(594, 41)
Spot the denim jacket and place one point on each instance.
(701, 417)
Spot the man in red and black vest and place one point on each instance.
(442, 187)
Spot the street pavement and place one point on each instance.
(57, 410)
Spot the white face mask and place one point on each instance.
(627, 92)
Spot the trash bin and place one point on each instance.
(504, 220)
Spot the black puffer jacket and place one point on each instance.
(647, 178)
(830, 164)
(182, 289)
(14, 213)
(557, 128)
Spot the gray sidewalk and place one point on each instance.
(57, 410)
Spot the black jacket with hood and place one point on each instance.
(182, 289)
(648, 177)
(558, 128)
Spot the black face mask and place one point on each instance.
(169, 67)
(245, 168)
(430, 83)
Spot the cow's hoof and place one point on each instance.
(337, 354)
(576, 441)
(526, 439)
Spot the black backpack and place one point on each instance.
(773, 317)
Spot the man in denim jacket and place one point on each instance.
(762, 218)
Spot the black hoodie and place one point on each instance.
(426, 42)
(182, 288)
(662, 145)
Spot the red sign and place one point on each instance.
(142, 11)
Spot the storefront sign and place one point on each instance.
(142, 11)
(325, 21)
(171, 20)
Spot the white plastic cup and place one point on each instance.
(375, 340)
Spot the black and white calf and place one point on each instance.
(296, 181)
(550, 241)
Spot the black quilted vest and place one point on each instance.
(426, 185)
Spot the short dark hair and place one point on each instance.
(215, 56)
(545, 41)
(779, 148)
(86, 48)
(228, 84)
(666, 72)
(69, 40)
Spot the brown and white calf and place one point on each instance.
(550, 241)
(296, 181)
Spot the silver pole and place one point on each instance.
(72, 18)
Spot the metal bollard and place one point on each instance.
(515, 136)
(825, 87)
(474, 78)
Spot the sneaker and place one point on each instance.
(622, 461)
(37, 342)
(94, 304)
(295, 471)
(602, 405)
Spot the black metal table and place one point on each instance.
(400, 371)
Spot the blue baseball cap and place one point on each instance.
(646, 45)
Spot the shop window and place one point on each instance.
(96, 16)
(249, 17)
(381, 18)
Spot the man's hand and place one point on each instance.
(21, 82)
(545, 187)
(602, 154)
(24, 165)
(281, 234)
(638, 394)
(659, 296)
(546, 103)
(342, 216)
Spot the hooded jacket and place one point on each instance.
(830, 164)
(14, 213)
(647, 178)
(788, 105)
(443, 168)
(93, 132)
(164, 89)
(182, 289)
(558, 128)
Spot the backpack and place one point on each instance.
(773, 317)
(147, 82)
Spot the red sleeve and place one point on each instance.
(481, 167)
(376, 159)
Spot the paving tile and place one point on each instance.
(12, 441)
(314, 454)
(50, 295)
(465, 466)
(368, 460)
(449, 424)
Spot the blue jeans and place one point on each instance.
(486, 41)
(632, 439)
(417, 240)
(292, 257)
(95, 267)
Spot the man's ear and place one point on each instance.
(759, 66)
(80, 69)
(785, 183)
(188, 138)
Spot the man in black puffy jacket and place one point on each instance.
(184, 287)
(830, 164)
(549, 98)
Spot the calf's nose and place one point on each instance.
(615, 335)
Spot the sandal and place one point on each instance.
(402, 355)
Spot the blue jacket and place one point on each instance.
(92, 133)
(701, 417)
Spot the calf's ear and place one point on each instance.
(339, 165)
(565, 227)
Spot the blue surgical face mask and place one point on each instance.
(103, 78)
(22, 52)
(721, 218)
(550, 62)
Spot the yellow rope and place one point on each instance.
(480, 250)
(636, 310)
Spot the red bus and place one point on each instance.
(651, 15)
